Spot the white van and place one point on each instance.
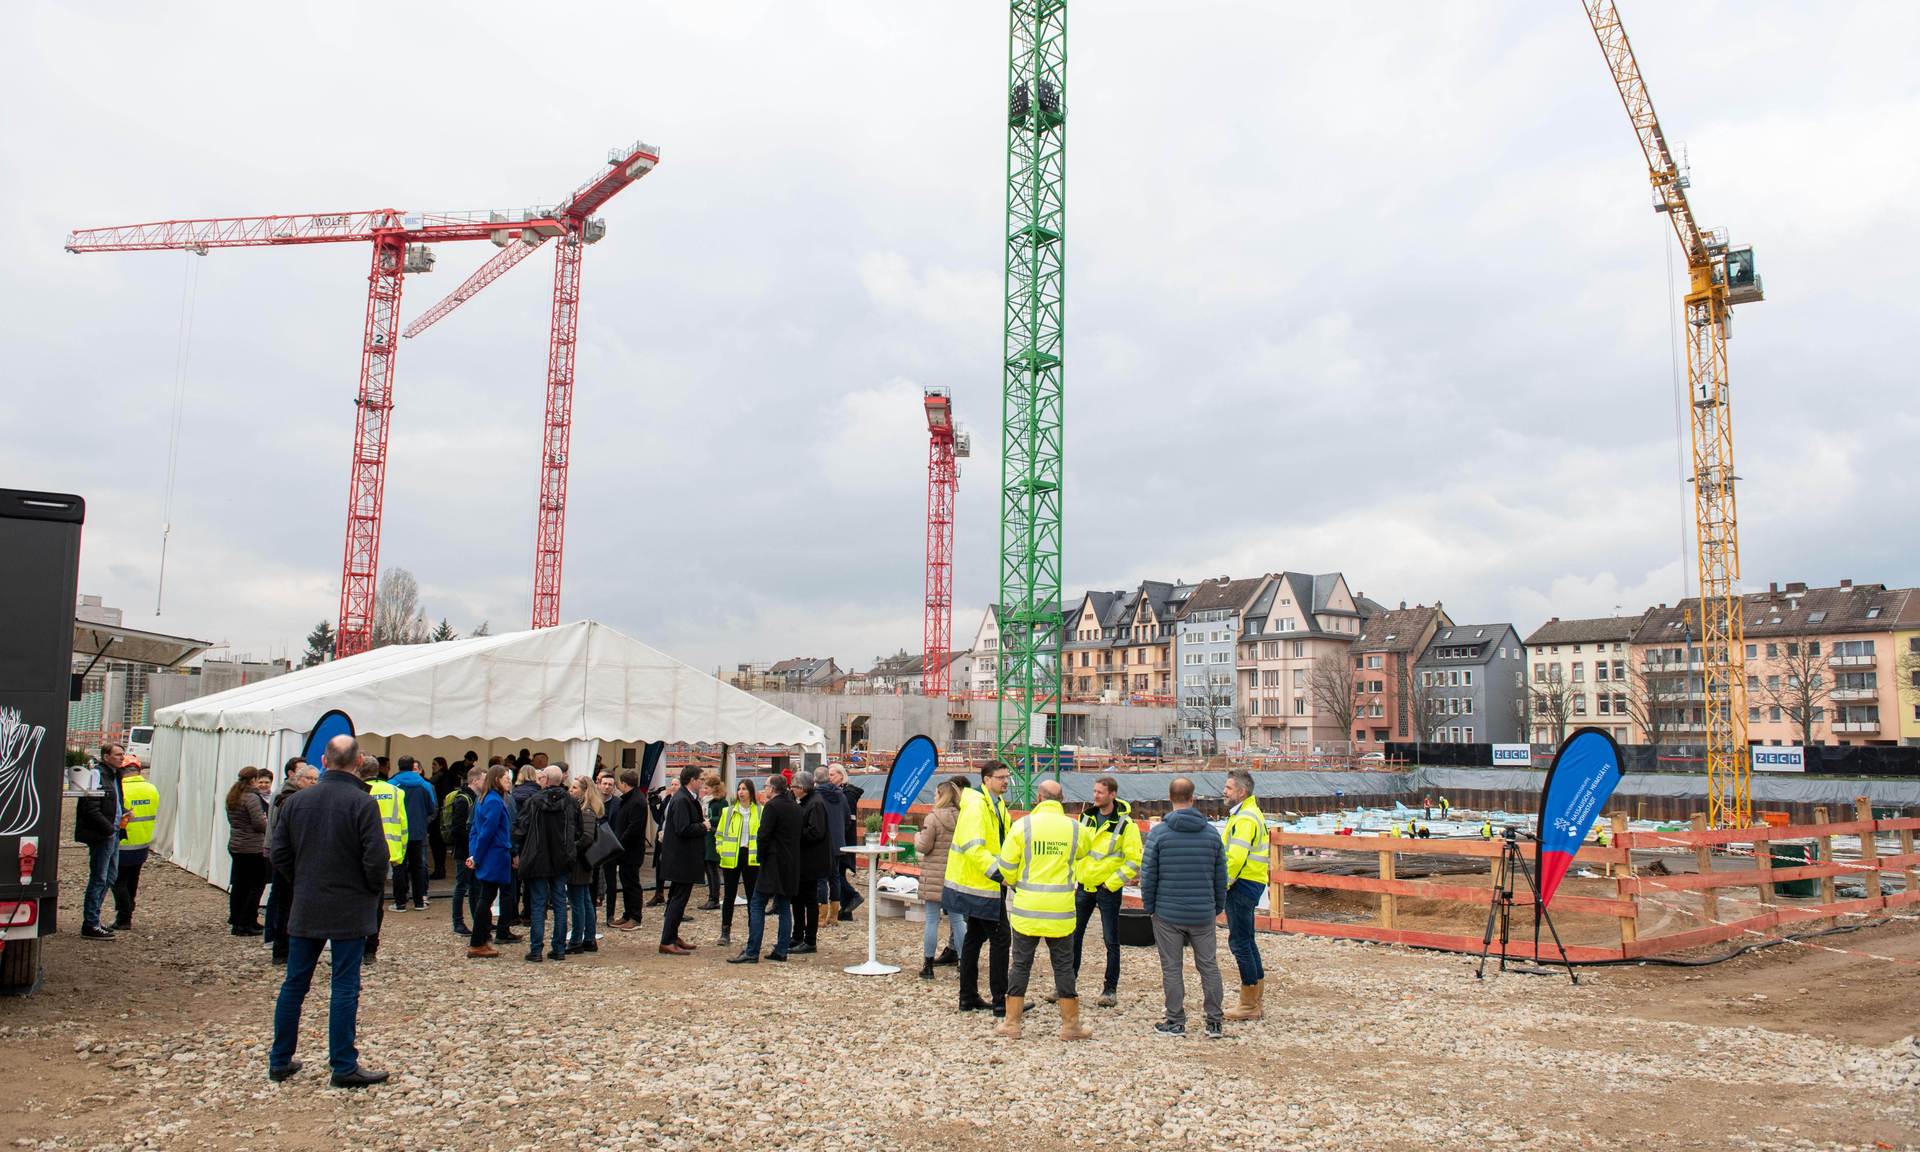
(140, 743)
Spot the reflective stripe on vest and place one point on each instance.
(1108, 855)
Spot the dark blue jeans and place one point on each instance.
(343, 1002)
(1108, 902)
(547, 892)
(1242, 897)
(584, 928)
(757, 922)
(103, 868)
(464, 893)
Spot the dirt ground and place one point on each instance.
(158, 1040)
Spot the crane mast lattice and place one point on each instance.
(1718, 278)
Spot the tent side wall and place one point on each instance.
(193, 768)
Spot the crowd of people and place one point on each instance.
(532, 844)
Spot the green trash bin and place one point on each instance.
(1794, 854)
(903, 836)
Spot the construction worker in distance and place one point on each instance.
(143, 804)
(973, 888)
(1486, 829)
(393, 822)
(1446, 806)
(1039, 860)
(1113, 862)
(1249, 849)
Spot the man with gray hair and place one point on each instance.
(330, 845)
(546, 834)
(816, 863)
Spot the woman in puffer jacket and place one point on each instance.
(931, 843)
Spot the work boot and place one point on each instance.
(1249, 1006)
(947, 958)
(1009, 1029)
(1070, 1026)
(831, 912)
(926, 968)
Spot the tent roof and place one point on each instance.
(580, 681)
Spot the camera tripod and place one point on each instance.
(1513, 862)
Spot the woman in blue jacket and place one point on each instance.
(490, 842)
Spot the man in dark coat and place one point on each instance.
(630, 825)
(816, 861)
(843, 804)
(329, 843)
(545, 835)
(682, 861)
(778, 880)
(98, 822)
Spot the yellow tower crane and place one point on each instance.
(1718, 278)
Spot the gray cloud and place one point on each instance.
(1372, 290)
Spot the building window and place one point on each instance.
(1539, 673)
(1299, 649)
(1299, 705)
(1579, 671)
(1773, 714)
(1375, 662)
(1299, 677)
(1579, 705)
(1467, 733)
(1773, 651)
(1753, 651)
(1605, 705)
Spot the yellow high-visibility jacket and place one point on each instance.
(393, 818)
(739, 826)
(1113, 856)
(1038, 860)
(143, 804)
(1247, 843)
(972, 885)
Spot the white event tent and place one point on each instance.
(576, 691)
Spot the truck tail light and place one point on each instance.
(29, 856)
(25, 914)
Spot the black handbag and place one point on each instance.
(605, 844)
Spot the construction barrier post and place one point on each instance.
(1703, 858)
(1906, 849)
(1869, 850)
(1277, 885)
(1763, 870)
(1386, 898)
(1826, 857)
(1623, 877)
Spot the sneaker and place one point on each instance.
(1107, 1000)
(395, 908)
(1169, 1028)
(1215, 1031)
(100, 932)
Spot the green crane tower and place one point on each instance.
(1031, 414)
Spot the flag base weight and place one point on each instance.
(1512, 863)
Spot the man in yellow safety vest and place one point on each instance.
(393, 823)
(1039, 860)
(1113, 862)
(972, 888)
(1248, 851)
(143, 804)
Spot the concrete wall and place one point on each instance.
(887, 721)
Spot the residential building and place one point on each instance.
(1470, 685)
(1293, 623)
(898, 674)
(1906, 641)
(804, 674)
(1090, 674)
(1823, 665)
(1579, 673)
(1206, 635)
(1384, 654)
(986, 654)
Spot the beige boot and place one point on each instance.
(1070, 1026)
(1249, 1007)
(1009, 1029)
(831, 914)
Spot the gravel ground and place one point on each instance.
(158, 1041)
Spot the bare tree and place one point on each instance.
(1652, 698)
(1208, 708)
(1908, 669)
(1330, 683)
(397, 616)
(1423, 703)
(1796, 683)
(1552, 703)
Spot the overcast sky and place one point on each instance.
(1374, 288)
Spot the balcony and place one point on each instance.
(1846, 694)
(1866, 726)
(1839, 661)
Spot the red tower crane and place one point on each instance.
(946, 445)
(398, 241)
(575, 229)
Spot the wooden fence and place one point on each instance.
(1693, 897)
